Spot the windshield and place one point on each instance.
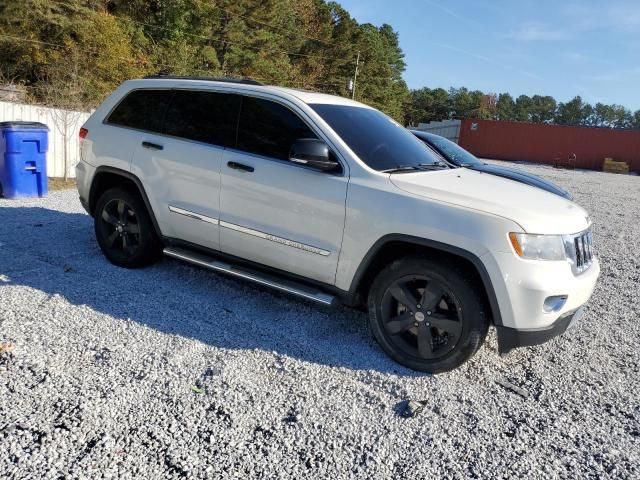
(380, 142)
(452, 151)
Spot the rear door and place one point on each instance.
(276, 212)
(180, 166)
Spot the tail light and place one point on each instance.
(83, 133)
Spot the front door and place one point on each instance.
(273, 211)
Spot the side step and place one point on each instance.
(285, 285)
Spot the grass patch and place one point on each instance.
(61, 183)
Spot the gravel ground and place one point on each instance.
(175, 372)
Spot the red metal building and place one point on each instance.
(582, 147)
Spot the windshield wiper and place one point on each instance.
(437, 164)
(421, 167)
(402, 168)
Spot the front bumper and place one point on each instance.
(522, 286)
(510, 338)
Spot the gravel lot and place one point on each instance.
(175, 372)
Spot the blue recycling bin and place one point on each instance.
(23, 159)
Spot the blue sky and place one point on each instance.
(550, 47)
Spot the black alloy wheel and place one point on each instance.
(421, 316)
(124, 229)
(120, 219)
(426, 314)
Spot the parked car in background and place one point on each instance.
(458, 156)
(333, 201)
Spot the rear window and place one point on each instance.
(142, 109)
(209, 117)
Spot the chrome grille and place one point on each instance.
(580, 250)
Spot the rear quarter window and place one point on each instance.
(141, 109)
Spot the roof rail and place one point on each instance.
(246, 81)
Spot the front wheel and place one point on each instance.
(124, 229)
(427, 315)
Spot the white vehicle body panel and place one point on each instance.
(182, 182)
(536, 211)
(300, 211)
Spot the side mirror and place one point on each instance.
(313, 153)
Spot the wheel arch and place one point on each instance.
(109, 177)
(393, 246)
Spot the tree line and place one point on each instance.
(82, 49)
(73, 53)
(426, 105)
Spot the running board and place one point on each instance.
(285, 285)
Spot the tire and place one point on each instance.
(427, 315)
(124, 229)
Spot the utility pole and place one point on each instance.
(355, 77)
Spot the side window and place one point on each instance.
(269, 129)
(202, 116)
(142, 109)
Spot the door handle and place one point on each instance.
(152, 146)
(240, 166)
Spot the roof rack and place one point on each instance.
(246, 81)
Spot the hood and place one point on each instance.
(535, 210)
(524, 177)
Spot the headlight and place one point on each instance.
(538, 247)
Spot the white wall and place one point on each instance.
(10, 111)
(445, 128)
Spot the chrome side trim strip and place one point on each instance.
(293, 288)
(193, 215)
(276, 239)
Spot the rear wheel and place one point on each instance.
(124, 229)
(427, 315)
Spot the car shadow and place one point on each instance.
(55, 252)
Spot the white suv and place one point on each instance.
(332, 200)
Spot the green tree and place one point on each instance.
(307, 43)
(603, 115)
(505, 107)
(573, 112)
(465, 103)
(622, 117)
(427, 105)
(543, 109)
(51, 38)
(523, 108)
(380, 82)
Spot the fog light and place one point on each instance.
(554, 304)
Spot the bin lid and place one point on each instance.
(19, 125)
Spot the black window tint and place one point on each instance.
(142, 109)
(379, 141)
(268, 128)
(203, 116)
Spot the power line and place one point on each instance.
(64, 47)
